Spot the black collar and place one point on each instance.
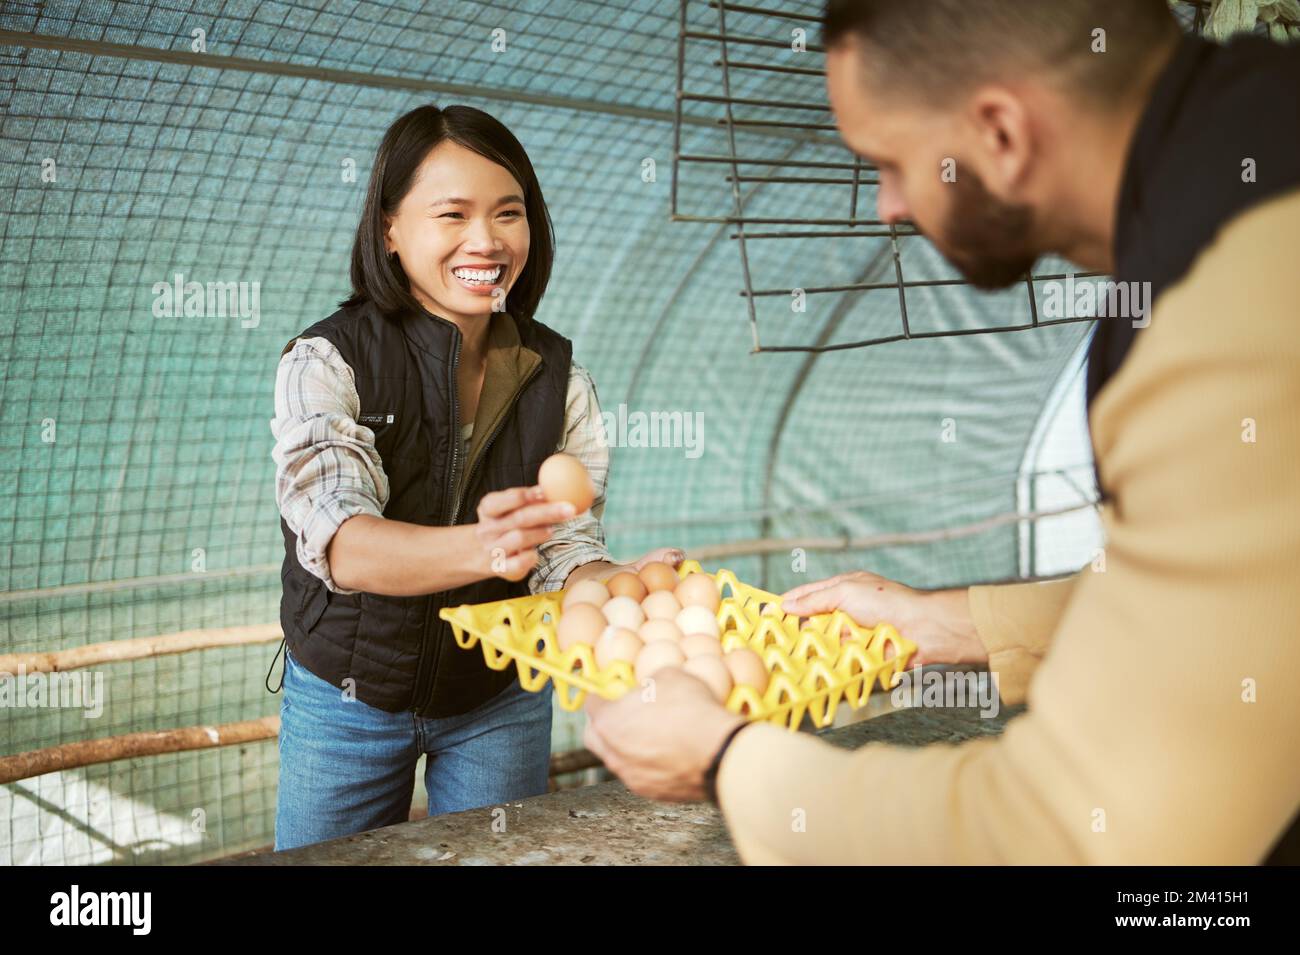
(429, 332)
(1162, 112)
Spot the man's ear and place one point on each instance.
(1004, 135)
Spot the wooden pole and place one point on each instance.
(65, 756)
(139, 648)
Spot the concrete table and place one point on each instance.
(604, 824)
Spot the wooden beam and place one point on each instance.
(139, 648)
(66, 756)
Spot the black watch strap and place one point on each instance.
(711, 773)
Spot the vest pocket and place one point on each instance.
(315, 604)
(383, 613)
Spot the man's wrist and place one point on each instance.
(719, 753)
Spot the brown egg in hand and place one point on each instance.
(563, 478)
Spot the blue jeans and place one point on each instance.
(346, 766)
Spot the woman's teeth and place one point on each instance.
(478, 276)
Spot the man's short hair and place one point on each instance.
(934, 49)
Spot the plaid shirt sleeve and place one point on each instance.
(326, 466)
(580, 540)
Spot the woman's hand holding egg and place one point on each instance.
(511, 523)
(563, 478)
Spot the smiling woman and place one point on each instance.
(429, 399)
(478, 243)
(460, 168)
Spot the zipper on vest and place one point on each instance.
(423, 675)
(455, 427)
(424, 666)
(469, 478)
(426, 663)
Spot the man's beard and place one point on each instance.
(987, 240)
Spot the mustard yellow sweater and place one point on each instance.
(1163, 721)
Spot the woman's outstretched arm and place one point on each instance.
(331, 490)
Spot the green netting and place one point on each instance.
(138, 483)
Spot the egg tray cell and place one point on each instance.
(811, 668)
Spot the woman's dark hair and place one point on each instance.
(379, 278)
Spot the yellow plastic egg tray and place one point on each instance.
(812, 670)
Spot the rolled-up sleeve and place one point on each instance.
(580, 540)
(1015, 622)
(326, 466)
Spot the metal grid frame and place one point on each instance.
(853, 173)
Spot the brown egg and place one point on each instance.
(747, 667)
(659, 630)
(661, 605)
(713, 672)
(626, 584)
(657, 655)
(699, 590)
(586, 592)
(581, 623)
(697, 620)
(617, 644)
(563, 478)
(657, 575)
(695, 644)
(624, 612)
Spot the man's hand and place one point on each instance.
(938, 622)
(661, 736)
(511, 523)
